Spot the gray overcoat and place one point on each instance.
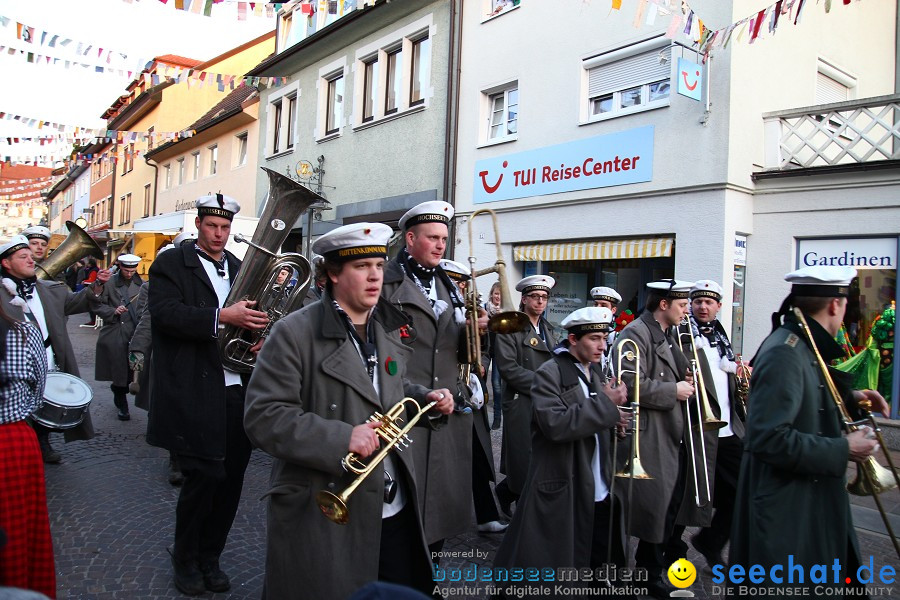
(112, 344)
(662, 426)
(59, 302)
(518, 356)
(553, 523)
(142, 341)
(443, 458)
(307, 392)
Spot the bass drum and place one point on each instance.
(66, 400)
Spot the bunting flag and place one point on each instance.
(85, 134)
(205, 7)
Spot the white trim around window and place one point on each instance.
(330, 86)
(281, 132)
(499, 114)
(392, 75)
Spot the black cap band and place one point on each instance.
(590, 328)
(609, 299)
(11, 249)
(426, 218)
(356, 252)
(820, 291)
(706, 294)
(32, 236)
(456, 276)
(535, 288)
(215, 212)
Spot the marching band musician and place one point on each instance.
(566, 496)
(198, 405)
(792, 503)
(486, 514)
(606, 297)
(38, 239)
(323, 371)
(46, 304)
(724, 446)
(657, 502)
(518, 356)
(415, 283)
(120, 313)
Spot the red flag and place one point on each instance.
(306, 9)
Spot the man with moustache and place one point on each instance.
(664, 389)
(344, 360)
(198, 405)
(46, 304)
(415, 283)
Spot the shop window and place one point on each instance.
(628, 80)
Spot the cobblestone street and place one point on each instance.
(112, 513)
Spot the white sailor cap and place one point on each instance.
(589, 319)
(672, 289)
(456, 270)
(316, 259)
(36, 231)
(128, 260)
(824, 281)
(164, 248)
(15, 244)
(706, 288)
(351, 242)
(535, 283)
(606, 293)
(184, 236)
(433, 211)
(217, 205)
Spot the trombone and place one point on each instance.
(871, 477)
(742, 391)
(507, 319)
(335, 506)
(707, 421)
(633, 469)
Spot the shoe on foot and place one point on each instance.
(712, 556)
(176, 478)
(492, 527)
(188, 578)
(214, 578)
(496, 424)
(124, 415)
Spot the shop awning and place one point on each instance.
(596, 250)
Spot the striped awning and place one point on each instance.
(596, 250)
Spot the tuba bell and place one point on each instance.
(76, 246)
(277, 282)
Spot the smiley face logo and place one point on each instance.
(695, 77)
(682, 573)
(490, 189)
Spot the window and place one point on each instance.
(394, 81)
(147, 200)
(241, 149)
(281, 126)
(629, 79)
(370, 87)
(125, 209)
(213, 159)
(421, 59)
(496, 7)
(834, 85)
(334, 106)
(195, 161)
(128, 162)
(504, 118)
(168, 176)
(180, 171)
(150, 137)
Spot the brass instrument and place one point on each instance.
(871, 477)
(335, 506)
(505, 320)
(76, 246)
(258, 278)
(634, 469)
(742, 391)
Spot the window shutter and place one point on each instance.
(629, 72)
(828, 90)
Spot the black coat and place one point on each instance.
(188, 400)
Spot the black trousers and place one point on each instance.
(657, 557)
(120, 397)
(728, 468)
(485, 506)
(400, 560)
(600, 547)
(212, 489)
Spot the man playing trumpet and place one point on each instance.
(322, 372)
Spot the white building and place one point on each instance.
(570, 128)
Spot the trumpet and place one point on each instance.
(742, 391)
(871, 477)
(335, 506)
(505, 320)
(633, 469)
(707, 421)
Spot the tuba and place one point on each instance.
(75, 247)
(277, 282)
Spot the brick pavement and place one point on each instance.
(112, 513)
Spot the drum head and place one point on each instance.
(67, 390)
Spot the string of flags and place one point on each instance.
(26, 181)
(97, 134)
(204, 7)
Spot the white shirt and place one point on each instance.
(720, 383)
(222, 286)
(37, 310)
(601, 490)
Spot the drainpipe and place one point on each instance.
(155, 180)
(112, 199)
(451, 129)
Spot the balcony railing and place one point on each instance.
(842, 133)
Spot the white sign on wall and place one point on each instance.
(862, 253)
(740, 250)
